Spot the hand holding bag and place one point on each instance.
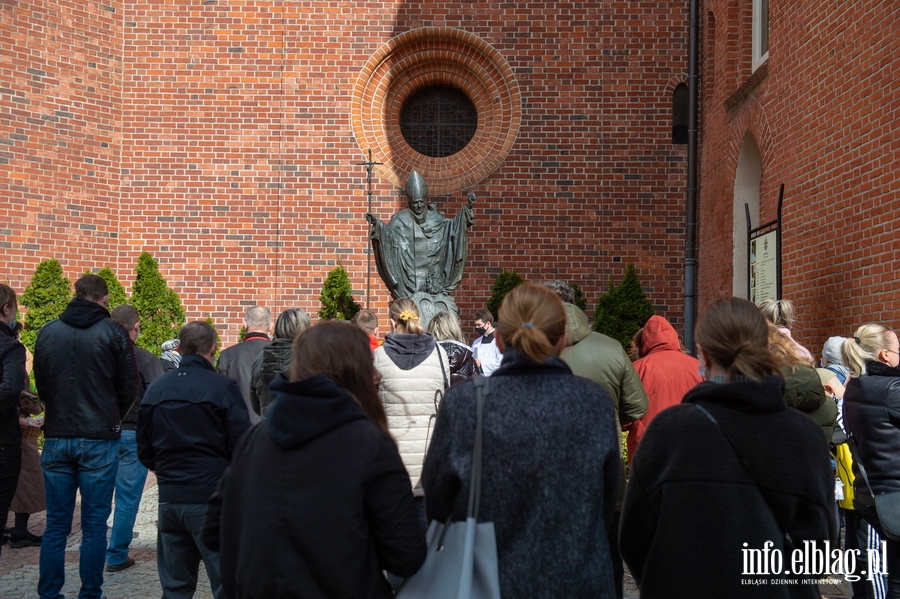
(462, 556)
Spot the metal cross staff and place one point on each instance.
(369, 164)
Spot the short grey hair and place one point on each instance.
(258, 317)
(291, 323)
(562, 289)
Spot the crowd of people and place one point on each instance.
(309, 463)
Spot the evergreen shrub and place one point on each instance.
(622, 310)
(337, 296)
(158, 306)
(46, 297)
(580, 300)
(504, 283)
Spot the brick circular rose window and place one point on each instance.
(436, 61)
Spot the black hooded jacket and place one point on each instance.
(316, 502)
(85, 372)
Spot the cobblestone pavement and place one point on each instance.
(19, 567)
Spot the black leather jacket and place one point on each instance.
(462, 360)
(85, 372)
(872, 416)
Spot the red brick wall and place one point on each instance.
(237, 162)
(60, 135)
(825, 118)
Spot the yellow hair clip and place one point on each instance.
(407, 315)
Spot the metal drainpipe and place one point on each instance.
(690, 254)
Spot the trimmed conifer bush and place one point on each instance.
(46, 297)
(622, 310)
(158, 306)
(337, 296)
(504, 283)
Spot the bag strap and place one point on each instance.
(712, 419)
(854, 453)
(481, 390)
(444, 370)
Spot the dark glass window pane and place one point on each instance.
(680, 114)
(438, 120)
(763, 27)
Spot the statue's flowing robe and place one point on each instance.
(429, 257)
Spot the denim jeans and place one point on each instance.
(130, 480)
(179, 549)
(88, 465)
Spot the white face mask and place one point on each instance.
(701, 368)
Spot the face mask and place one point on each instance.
(481, 330)
(701, 369)
(13, 324)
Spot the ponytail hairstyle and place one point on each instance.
(340, 350)
(734, 334)
(779, 312)
(867, 341)
(532, 320)
(405, 313)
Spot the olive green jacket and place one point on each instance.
(602, 360)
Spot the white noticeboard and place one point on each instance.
(764, 267)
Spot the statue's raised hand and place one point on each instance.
(370, 218)
(471, 198)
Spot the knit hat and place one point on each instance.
(170, 345)
(831, 351)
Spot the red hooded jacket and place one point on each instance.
(666, 372)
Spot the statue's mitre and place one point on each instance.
(415, 186)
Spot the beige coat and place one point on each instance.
(410, 400)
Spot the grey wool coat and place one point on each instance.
(550, 475)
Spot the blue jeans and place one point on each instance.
(130, 480)
(179, 549)
(88, 465)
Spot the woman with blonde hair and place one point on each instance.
(550, 458)
(444, 326)
(415, 372)
(730, 469)
(802, 386)
(872, 418)
(316, 502)
(781, 313)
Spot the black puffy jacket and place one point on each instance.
(275, 358)
(85, 372)
(12, 380)
(462, 360)
(872, 416)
